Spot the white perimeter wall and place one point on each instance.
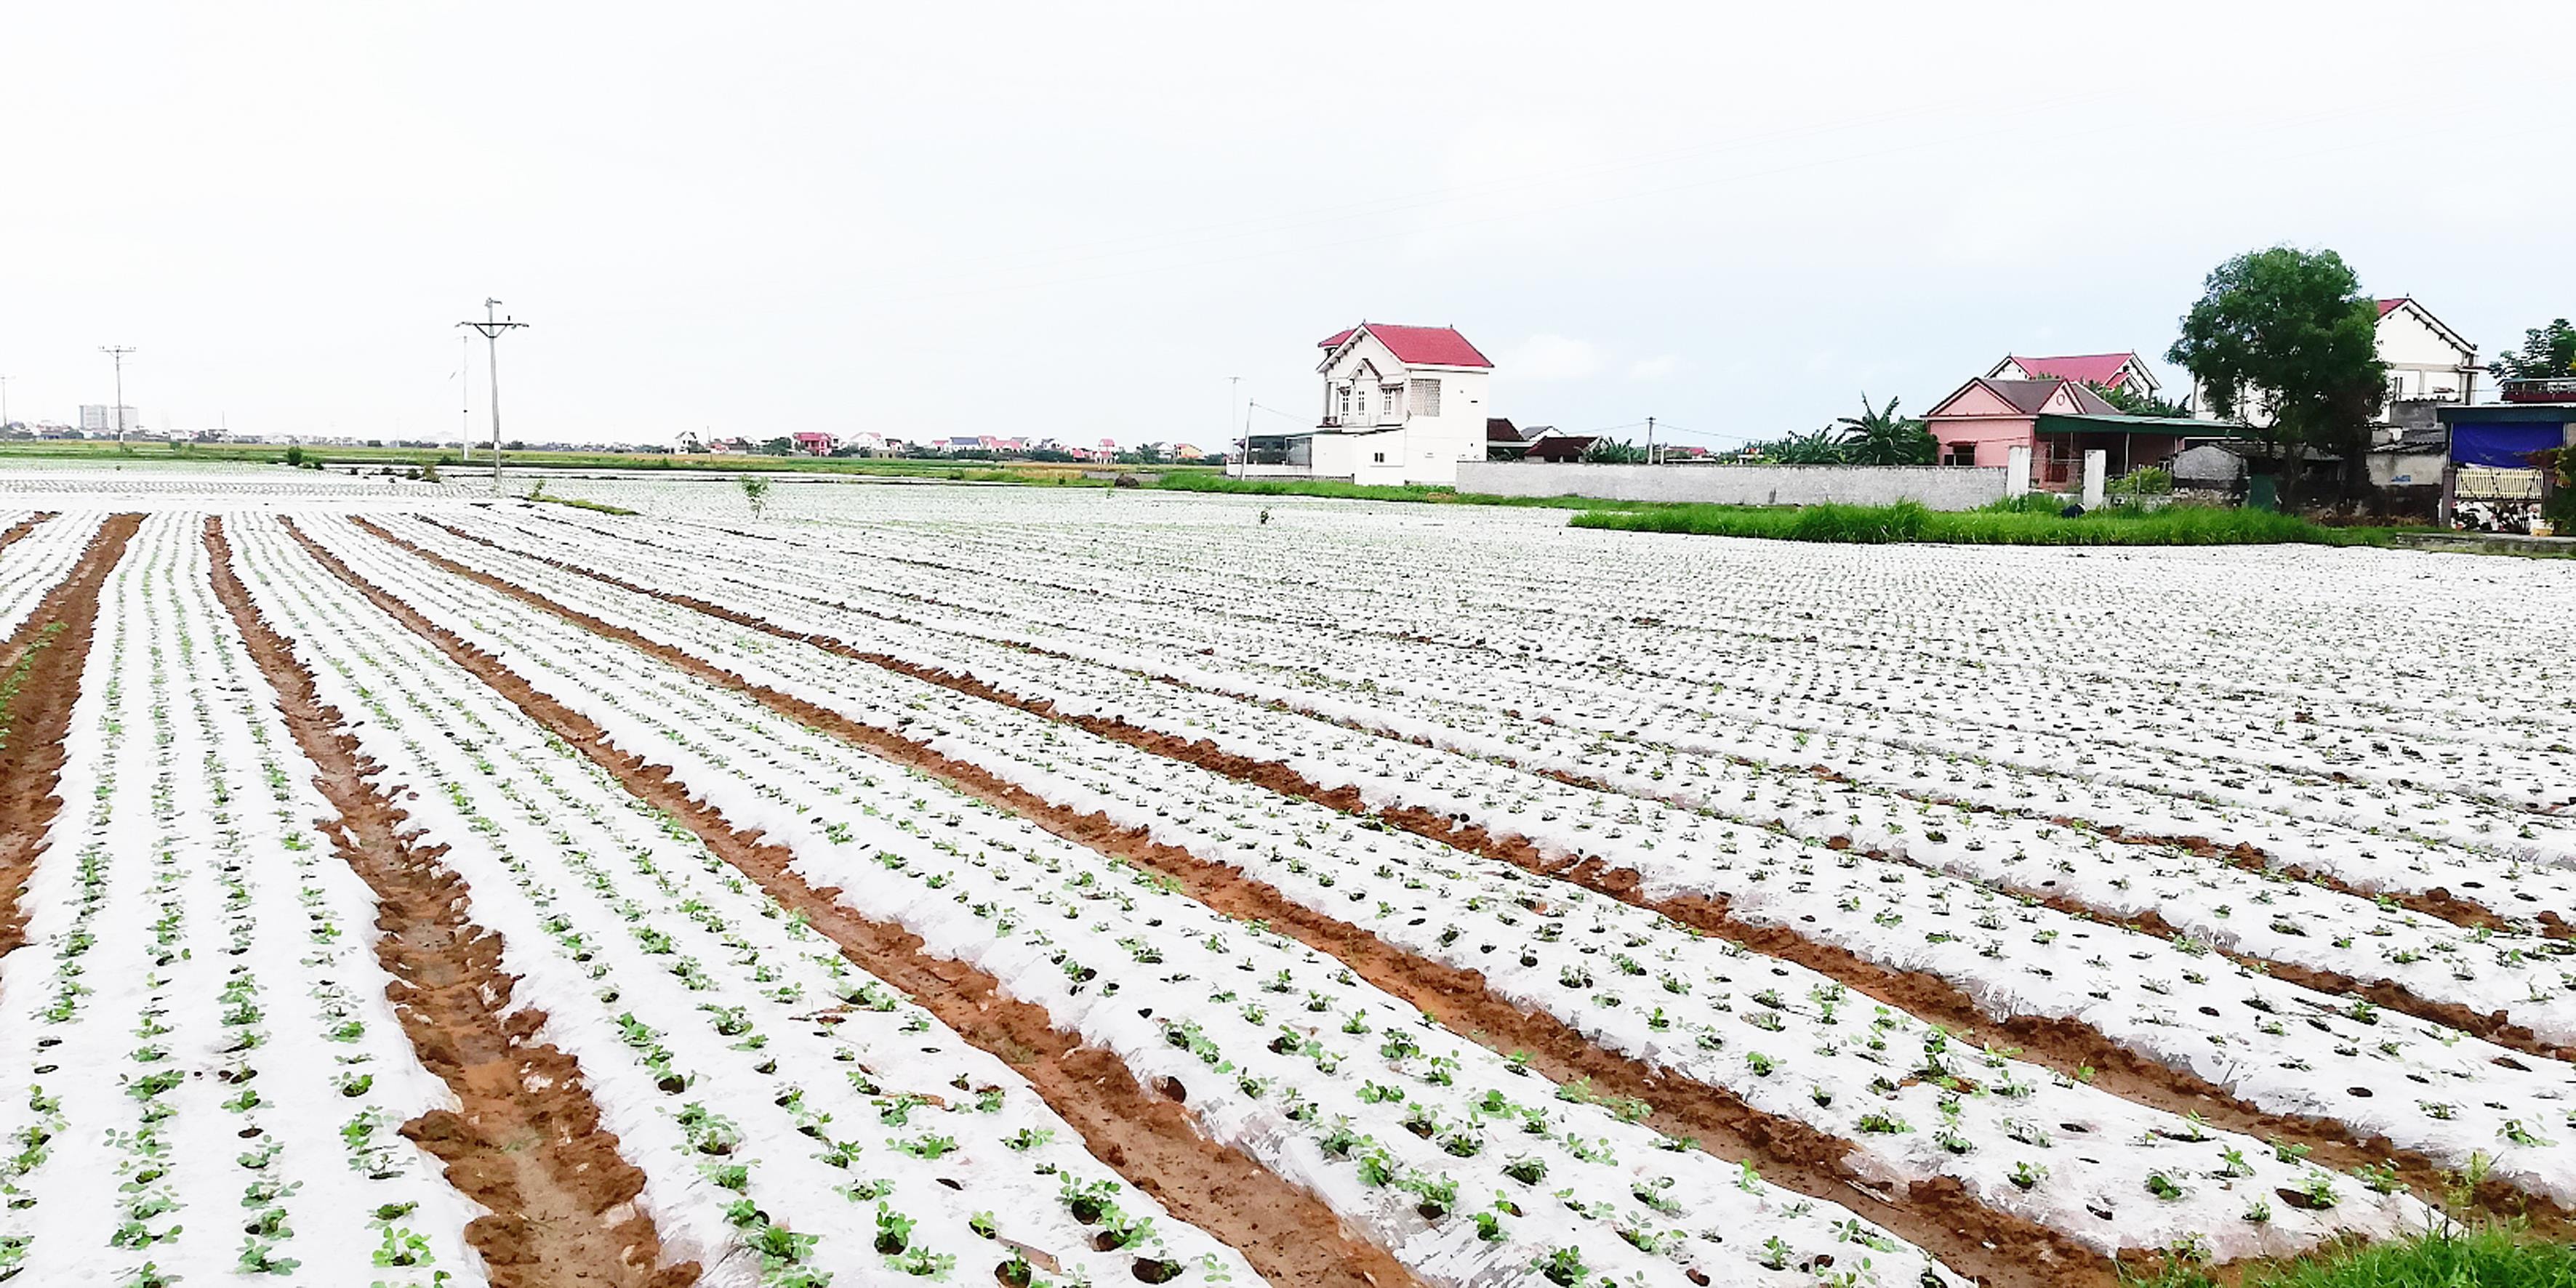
(1939, 487)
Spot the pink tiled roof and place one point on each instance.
(2084, 368)
(1428, 346)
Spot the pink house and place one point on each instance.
(2058, 420)
(2109, 370)
(813, 442)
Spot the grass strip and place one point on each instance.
(2002, 524)
(2493, 1256)
(577, 503)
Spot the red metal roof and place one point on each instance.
(2083, 368)
(2387, 307)
(1424, 346)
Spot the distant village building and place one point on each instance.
(1402, 404)
(2122, 371)
(1548, 443)
(2058, 420)
(813, 442)
(2426, 359)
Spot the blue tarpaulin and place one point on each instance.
(2502, 444)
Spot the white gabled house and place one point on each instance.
(1402, 404)
(2426, 359)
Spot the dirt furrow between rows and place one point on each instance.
(40, 674)
(2067, 1046)
(527, 1142)
(1288, 1235)
(17, 531)
(1938, 1216)
(2439, 902)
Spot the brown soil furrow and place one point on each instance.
(1288, 1235)
(527, 1143)
(1938, 1216)
(22, 527)
(2438, 902)
(2067, 1046)
(40, 673)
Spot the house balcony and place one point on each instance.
(2556, 389)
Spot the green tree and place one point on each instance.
(1878, 436)
(2284, 339)
(2547, 353)
(1816, 447)
(755, 492)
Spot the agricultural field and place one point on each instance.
(866, 883)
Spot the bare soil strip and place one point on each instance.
(2066, 1046)
(1288, 1235)
(40, 673)
(1938, 1216)
(528, 1143)
(22, 527)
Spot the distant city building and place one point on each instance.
(96, 418)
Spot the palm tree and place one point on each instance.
(1818, 447)
(1878, 436)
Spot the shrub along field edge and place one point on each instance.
(2001, 525)
(2028, 523)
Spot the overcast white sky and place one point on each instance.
(1078, 219)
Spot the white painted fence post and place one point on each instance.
(2096, 468)
(2017, 471)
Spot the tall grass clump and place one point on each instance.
(2488, 1256)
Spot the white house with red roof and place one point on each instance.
(2425, 358)
(2109, 370)
(1402, 404)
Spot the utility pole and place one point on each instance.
(4, 402)
(492, 327)
(1243, 446)
(117, 409)
(1650, 440)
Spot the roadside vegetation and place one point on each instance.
(2028, 521)
(2024, 522)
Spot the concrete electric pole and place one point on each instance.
(492, 327)
(117, 408)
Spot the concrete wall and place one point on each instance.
(1940, 487)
